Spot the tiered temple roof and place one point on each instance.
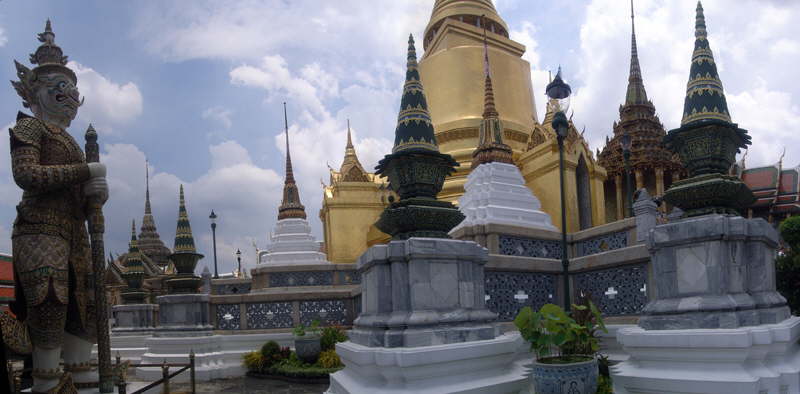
(150, 242)
(351, 169)
(777, 189)
(637, 118)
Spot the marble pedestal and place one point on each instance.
(134, 319)
(422, 292)
(714, 271)
(495, 366)
(762, 359)
(424, 326)
(496, 193)
(184, 315)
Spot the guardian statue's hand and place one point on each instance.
(96, 188)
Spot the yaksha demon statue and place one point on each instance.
(51, 250)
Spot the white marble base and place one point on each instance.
(291, 243)
(216, 356)
(761, 359)
(496, 193)
(496, 366)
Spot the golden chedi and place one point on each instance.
(453, 62)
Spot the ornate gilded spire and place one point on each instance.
(149, 241)
(414, 128)
(636, 93)
(490, 137)
(184, 240)
(705, 98)
(290, 208)
(49, 55)
(351, 169)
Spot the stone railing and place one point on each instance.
(608, 262)
(283, 309)
(280, 298)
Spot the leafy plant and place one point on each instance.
(329, 359)
(559, 338)
(311, 330)
(331, 336)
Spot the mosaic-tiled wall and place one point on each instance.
(616, 291)
(508, 292)
(328, 312)
(602, 243)
(268, 315)
(228, 317)
(529, 247)
(300, 278)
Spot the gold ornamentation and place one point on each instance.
(15, 334)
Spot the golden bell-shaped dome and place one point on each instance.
(467, 11)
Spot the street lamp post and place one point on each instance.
(625, 141)
(213, 218)
(239, 259)
(559, 91)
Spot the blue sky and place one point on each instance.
(197, 86)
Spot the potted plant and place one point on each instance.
(565, 347)
(307, 342)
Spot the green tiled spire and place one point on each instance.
(134, 267)
(705, 98)
(414, 128)
(184, 241)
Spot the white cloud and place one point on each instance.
(3, 37)
(236, 189)
(5, 240)
(753, 73)
(539, 77)
(107, 104)
(219, 114)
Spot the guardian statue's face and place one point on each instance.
(57, 99)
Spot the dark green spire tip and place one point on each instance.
(414, 128)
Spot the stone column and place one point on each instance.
(646, 212)
(620, 200)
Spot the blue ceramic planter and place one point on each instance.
(574, 378)
(307, 348)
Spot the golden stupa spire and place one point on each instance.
(351, 169)
(290, 207)
(490, 136)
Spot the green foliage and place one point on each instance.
(331, 336)
(253, 361)
(272, 353)
(790, 231)
(604, 385)
(329, 359)
(553, 333)
(787, 264)
(311, 330)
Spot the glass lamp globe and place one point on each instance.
(559, 91)
(213, 217)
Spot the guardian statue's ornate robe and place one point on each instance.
(51, 251)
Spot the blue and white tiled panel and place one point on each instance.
(616, 291)
(268, 315)
(508, 292)
(327, 312)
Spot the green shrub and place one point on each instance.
(329, 359)
(253, 361)
(330, 336)
(787, 264)
(604, 385)
(790, 232)
(272, 353)
(302, 330)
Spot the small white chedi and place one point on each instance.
(496, 193)
(293, 244)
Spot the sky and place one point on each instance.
(195, 88)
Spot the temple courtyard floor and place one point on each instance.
(248, 385)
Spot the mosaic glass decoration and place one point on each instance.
(602, 243)
(301, 278)
(529, 247)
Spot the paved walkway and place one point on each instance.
(248, 385)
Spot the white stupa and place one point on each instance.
(495, 191)
(291, 242)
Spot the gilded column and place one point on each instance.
(639, 179)
(620, 204)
